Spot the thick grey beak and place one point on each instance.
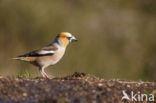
(73, 39)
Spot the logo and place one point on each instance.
(138, 97)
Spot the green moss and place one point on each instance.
(25, 75)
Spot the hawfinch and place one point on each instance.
(50, 54)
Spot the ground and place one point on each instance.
(76, 88)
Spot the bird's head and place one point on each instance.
(64, 38)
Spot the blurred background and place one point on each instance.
(117, 38)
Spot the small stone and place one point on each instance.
(24, 94)
(128, 86)
(100, 84)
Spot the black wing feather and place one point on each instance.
(33, 54)
(36, 53)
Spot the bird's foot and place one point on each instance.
(44, 75)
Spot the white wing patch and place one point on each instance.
(46, 52)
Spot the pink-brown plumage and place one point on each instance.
(50, 54)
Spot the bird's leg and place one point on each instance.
(44, 75)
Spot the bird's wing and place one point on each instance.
(45, 51)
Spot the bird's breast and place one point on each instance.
(51, 60)
(57, 56)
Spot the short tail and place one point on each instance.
(28, 59)
(18, 58)
(15, 58)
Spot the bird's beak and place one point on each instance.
(73, 39)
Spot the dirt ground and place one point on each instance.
(76, 88)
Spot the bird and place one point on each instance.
(50, 54)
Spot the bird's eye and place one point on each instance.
(68, 38)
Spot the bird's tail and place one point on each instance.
(28, 59)
(17, 58)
